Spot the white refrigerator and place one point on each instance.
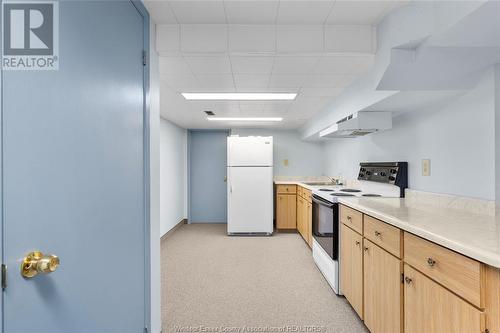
(250, 185)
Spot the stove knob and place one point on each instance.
(361, 175)
(391, 178)
(383, 174)
(363, 170)
(368, 173)
(393, 171)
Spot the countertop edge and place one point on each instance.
(488, 258)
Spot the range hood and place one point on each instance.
(358, 124)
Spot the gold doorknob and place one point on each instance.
(36, 262)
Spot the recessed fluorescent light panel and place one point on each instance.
(244, 118)
(240, 96)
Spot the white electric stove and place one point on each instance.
(375, 180)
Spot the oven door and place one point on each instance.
(325, 225)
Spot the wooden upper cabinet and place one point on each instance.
(430, 308)
(383, 290)
(286, 211)
(351, 268)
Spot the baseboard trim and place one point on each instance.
(174, 228)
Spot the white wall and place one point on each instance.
(304, 158)
(154, 172)
(459, 138)
(173, 175)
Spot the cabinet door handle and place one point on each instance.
(366, 248)
(357, 243)
(431, 262)
(408, 280)
(349, 218)
(378, 234)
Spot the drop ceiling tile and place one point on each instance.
(358, 12)
(303, 12)
(204, 38)
(199, 12)
(294, 64)
(247, 108)
(180, 83)
(320, 92)
(350, 38)
(174, 65)
(167, 38)
(300, 38)
(215, 83)
(332, 81)
(252, 38)
(252, 64)
(289, 82)
(339, 64)
(209, 64)
(252, 82)
(251, 12)
(160, 12)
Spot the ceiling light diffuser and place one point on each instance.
(240, 96)
(244, 118)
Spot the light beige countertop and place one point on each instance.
(294, 182)
(466, 231)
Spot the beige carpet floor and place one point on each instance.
(246, 284)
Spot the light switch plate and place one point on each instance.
(426, 167)
(285, 162)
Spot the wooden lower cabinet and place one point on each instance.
(351, 267)
(309, 223)
(383, 290)
(430, 308)
(286, 211)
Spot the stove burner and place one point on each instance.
(371, 195)
(326, 190)
(343, 195)
(350, 190)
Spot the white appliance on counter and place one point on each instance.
(249, 185)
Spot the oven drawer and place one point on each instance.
(284, 189)
(384, 235)
(462, 275)
(351, 218)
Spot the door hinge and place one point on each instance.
(402, 278)
(144, 58)
(4, 277)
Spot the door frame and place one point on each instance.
(141, 9)
(188, 153)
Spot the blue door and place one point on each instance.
(73, 177)
(207, 175)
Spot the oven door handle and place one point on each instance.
(322, 202)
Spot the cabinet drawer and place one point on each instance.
(384, 235)
(460, 274)
(351, 218)
(283, 189)
(306, 194)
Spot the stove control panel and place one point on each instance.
(394, 173)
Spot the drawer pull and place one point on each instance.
(431, 262)
(408, 280)
(349, 218)
(378, 234)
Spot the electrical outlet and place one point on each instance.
(426, 167)
(285, 162)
